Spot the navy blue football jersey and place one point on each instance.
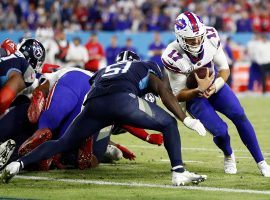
(132, 77)
(16, 62)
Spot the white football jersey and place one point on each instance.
(55, 76)
(179, 64)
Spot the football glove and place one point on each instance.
(9, 46)
(196, 125)
(36, 106)
(126, 153)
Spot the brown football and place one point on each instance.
(201, 73)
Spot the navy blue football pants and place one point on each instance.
(226, 103)
(118, 108)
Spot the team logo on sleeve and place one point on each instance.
(37, 50)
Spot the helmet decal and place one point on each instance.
(180, 24)
(37, 50)
(193, 21)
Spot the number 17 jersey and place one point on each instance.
(130, 77)
(180, 63)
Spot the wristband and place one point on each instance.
(219, 83)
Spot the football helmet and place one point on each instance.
(33, 51)
(190, 32)
(125, 56)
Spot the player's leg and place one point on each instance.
(201, 109)
(79, 130)
(227, 103)
(128, 109)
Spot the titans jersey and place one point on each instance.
(16, 62)
(131, 77)
(180, 63)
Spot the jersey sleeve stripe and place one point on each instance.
(171, 68)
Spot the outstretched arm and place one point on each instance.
(8, 92)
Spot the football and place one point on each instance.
(191, 80)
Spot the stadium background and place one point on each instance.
(138, 20)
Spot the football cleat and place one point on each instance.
(6, 150)
(264, 168)
(10, 171)
(186, 177)
(230, 164)
(39, 137)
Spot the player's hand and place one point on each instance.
(126, 153)
(204, 84)
(9, 46)
(211, 90)
(196, 125)
(155, 139)
(36, 106)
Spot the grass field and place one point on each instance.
(149, 176)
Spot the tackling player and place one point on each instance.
(114, 99)
(197, 45)
(17, 70)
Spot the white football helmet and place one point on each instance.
(190, 32)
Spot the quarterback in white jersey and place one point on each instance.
(196, 46)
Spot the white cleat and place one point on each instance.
(6, 150)
(113, 153)
(230, 164)
(10, 171)
(186, 177)
(264, 168)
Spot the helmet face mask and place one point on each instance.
(34, 52)
(190, 32)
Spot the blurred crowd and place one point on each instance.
(132, 15)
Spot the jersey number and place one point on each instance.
(116, 69)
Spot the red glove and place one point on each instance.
(7, 95)
(155, 139)
(9, 46)
(126, 153)
(36, 106)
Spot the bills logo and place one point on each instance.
(180, 24)
(37, 50)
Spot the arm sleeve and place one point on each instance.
(220, 59)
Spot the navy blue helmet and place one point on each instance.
(33, 51)
(125, 56)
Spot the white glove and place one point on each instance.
(196, 125)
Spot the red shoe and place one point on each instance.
(86, 158)
(39, 137)
(44, 165)
(57, 161)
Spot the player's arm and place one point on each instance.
(8, 92)
(203, 84)
(167, 97)
(170, 101)
(223, 72)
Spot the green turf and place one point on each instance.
(152, 167)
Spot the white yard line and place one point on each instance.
(191, 148)
(134, 184)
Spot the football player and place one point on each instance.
(196, 46)
(17, 71)
(114, 98)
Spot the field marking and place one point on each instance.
(186, 161)
(192, 148)
(134, 184)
